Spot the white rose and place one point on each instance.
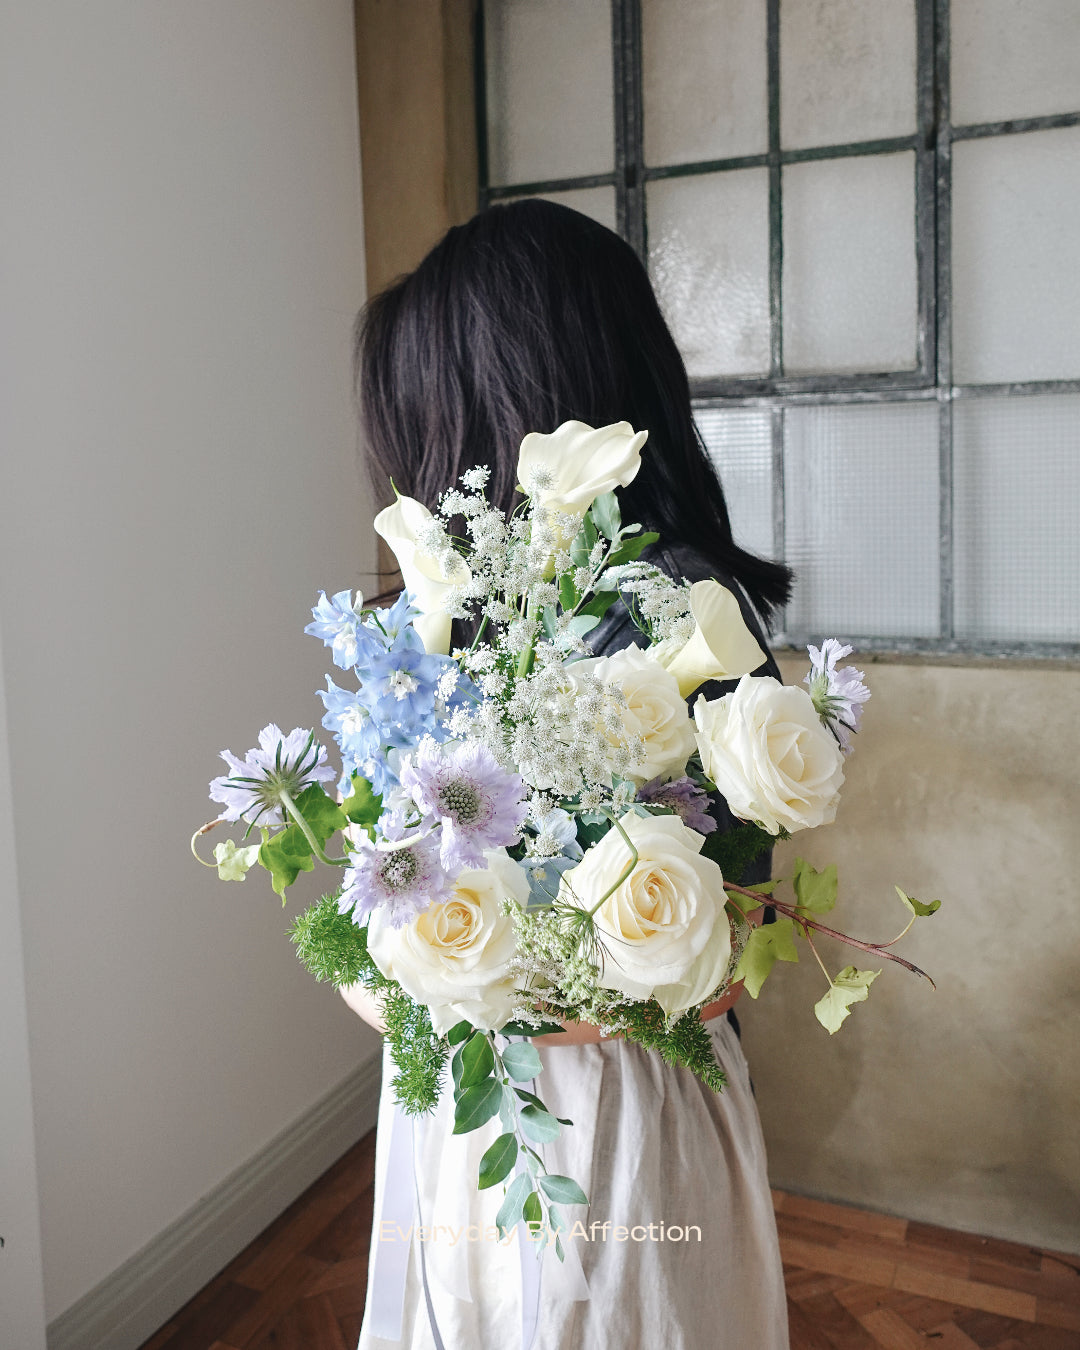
(581, 462)
(655, 710)
(455, 957)
(765, 749)
(722, 647)
(426, 578)
(664, 930)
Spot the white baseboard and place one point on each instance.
(129, 1305)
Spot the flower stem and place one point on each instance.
(626, 870)
(316, 848)
(204, 829)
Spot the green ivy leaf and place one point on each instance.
(477, 1060)
(474, 1106)
(285, 856)
(917, 907)
(815, 891)
(521, 1061)
(563, 1190)
(322, 813)
(233, 862)
(510, 1209)
(631, 549)
(850, 986)
(498, 1162)
(606, 515)
(768, 944)
(363, 805)
(538, 1124)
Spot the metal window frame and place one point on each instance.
(931, 377)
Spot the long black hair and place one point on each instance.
(525, 317)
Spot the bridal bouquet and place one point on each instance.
(523, 828)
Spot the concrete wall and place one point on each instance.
(184, 259)
(958, 1107)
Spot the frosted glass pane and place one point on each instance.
(1017, 496)
(599, 203)
(861, 519)
(1014, 58)
(1016, 257)
(847, 71)
(739, 442)
(705, 80)
(709, 257)
(850, 281)
(549, 89)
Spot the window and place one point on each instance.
(860, 218)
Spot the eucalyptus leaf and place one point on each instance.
(563, 1190)
(498, 1162)
(538, 1124)
(477, 1060)
(459, 1032)
(474, 1106)
(531, 1211)
(521, 1060)
(510, 1209)
(630, 549)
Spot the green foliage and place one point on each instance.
(474, 1106)
(734, 850)
(233, 862)
(629, 550)
(511, 1208)
(606, 515)
(363, 806)
(815, 892)
(686, 1043)
(331, 946)
(323, 815)
(850, 986)
(477, 1060)
(538, 1124)
(766, 945)
(288, 853)
(498, 1162)
(563, 1190)
(521, 1060)
(917, 907)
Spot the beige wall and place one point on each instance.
(958, 1107)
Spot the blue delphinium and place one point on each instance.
(339, 622)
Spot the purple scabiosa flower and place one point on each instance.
(400, 875)
(478, 804)
(683, 796)
(838, 695)
(280, 765)
(339, 622)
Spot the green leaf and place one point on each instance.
(599, 605)
(531, 1211)
(523, 1029)
(850, 986)
(550, 622)
(521, 1061)
(510, 1209)
(568, 592)
(498, 1162)
(563, 1190)
(606, 515)
(285, 856)
(321, 812)
(815, 891)
(460, 1032)
(631, 549)
(363, 806)
(768, 944)
(233, 862)
(916, 906)
(474, 1106)
(582, 624)
(530, 1097)
(477, 1060)
(538, 1124)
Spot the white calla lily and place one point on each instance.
(580, 463)
(426, 578)
(721, 648)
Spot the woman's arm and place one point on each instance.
(365, 1004)
(584, 1033)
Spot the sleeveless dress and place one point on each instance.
(677, 1247)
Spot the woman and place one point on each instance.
(526, 317)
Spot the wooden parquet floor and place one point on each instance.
(855, 1281)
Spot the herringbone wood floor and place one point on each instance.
(856, 1281)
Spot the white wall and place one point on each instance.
(183, 262)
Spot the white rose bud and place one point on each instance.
(765, 749)
(581, 463)
(424, 577)
(655, 710)
(664, 930)
(722, 647)
(455, 957)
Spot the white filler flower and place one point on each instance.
(664, 930)
(456, 956)
(765, 748)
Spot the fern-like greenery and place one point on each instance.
(334, 950)
(734, 850)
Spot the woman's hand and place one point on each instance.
(584, 1033)
(365, 1004)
